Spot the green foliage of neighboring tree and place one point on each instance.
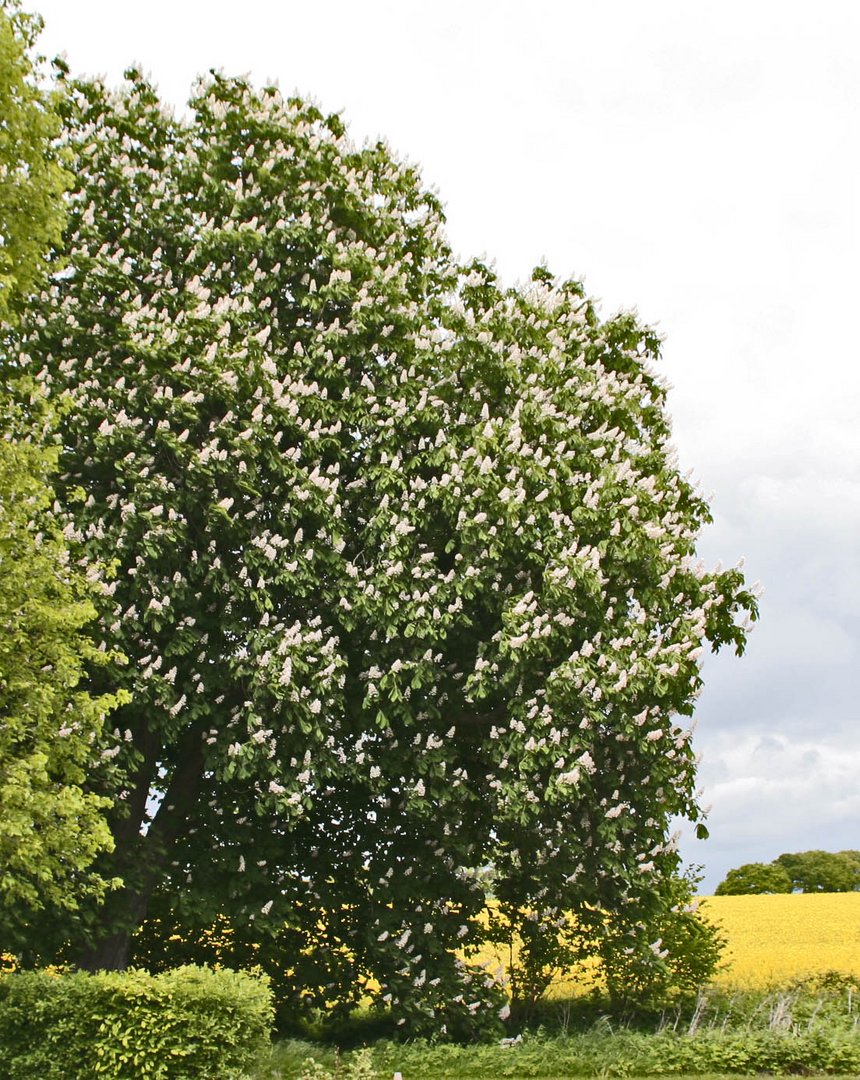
(52, 824)
(405, 566)
(753, 878)
(52, 821)
(822, 871)
(32, 177)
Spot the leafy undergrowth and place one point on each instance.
(624, 1054)
(809, 1028)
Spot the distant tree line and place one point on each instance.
(802, 871)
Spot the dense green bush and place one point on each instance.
(804, 1028)
(187, 1024)
(683, 954)
(299, 982)
(598, 1053)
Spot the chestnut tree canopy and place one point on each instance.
(401, 560)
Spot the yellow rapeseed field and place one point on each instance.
(772, 939)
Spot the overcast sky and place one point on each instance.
(697, 162)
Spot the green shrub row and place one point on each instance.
(625, 1053)
(596, 1054)
(187, 1024)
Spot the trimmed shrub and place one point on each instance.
(187, 1024)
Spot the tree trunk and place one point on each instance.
(110, 952)
(140, 858)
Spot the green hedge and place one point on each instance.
(776, 1053)
(187, 1024)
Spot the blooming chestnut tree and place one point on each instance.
(401, 559)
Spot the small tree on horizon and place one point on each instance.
(802, 871)
(821, 871)
(754, 878)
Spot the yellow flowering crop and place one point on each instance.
(777, 938)
(770, 940)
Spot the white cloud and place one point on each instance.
(771, 793)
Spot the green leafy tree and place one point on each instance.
(405, 566)
(752, 878)
(52, 825)
(802, 871)
(683, 953)
(52, 821)
(32, 177)
(853, 858)
(821, 871)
